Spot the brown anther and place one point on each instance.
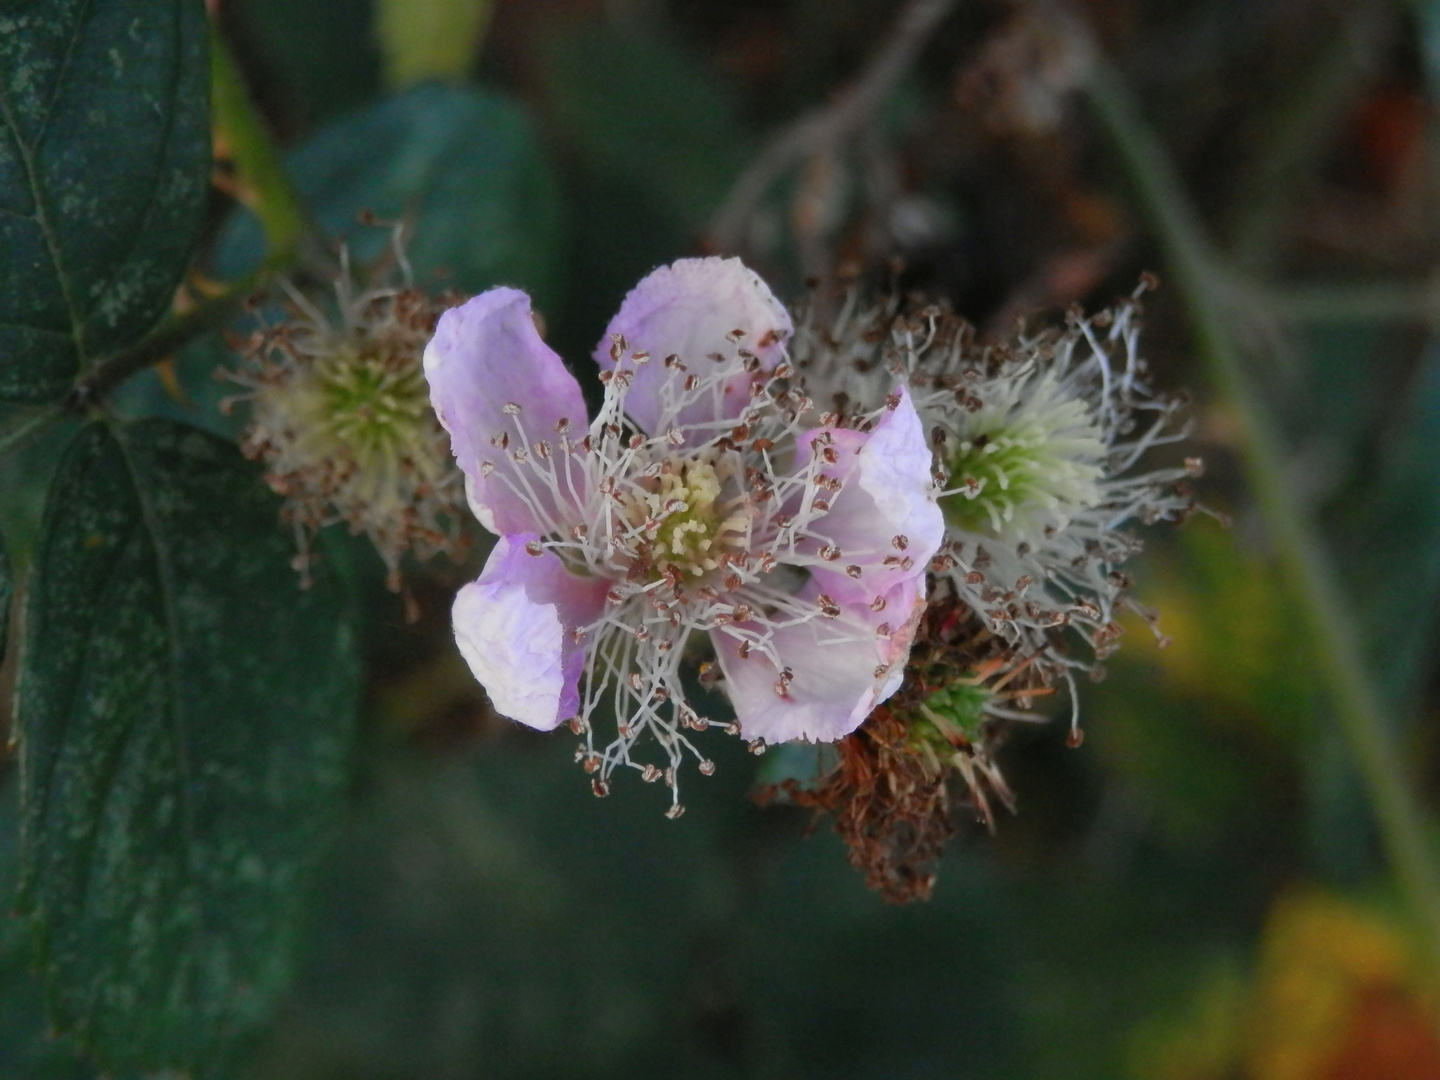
(534, 547)
(878, 604)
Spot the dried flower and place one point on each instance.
(340, 415)
(1036, 441)
(890, 789)
(698, 503)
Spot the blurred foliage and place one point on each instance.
(430, 41)
(1332, 994)
(460, 163)
(1175, 899)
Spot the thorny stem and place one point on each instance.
(1399, 814)
(829, 125)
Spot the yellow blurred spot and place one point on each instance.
(1325, 966)
(1332, 997)
(438, 39)
(165, 369)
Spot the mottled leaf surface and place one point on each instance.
(7, 589)
(104, 163)
(185, 715)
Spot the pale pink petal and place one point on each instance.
(840, 668)
(514, 627)
(486, 354)
(885, 518)
(691, 309)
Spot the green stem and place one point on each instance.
(1399, 815)
(282, 215)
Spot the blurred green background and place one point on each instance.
(1196, 892)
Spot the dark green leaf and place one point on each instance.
(461, 164)
(185, 716)
(26, 1047)
(104, 164)
(7, 588)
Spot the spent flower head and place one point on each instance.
(892, 786)
(340, 415)
(706, 506)
(1038, 442)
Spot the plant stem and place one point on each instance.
(1327, 612)
(169, 336)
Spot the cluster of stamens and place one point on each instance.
(341, 417)
(1034, 442)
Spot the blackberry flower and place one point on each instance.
(701, 502)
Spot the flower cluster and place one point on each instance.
(707, 510)
(1035, 445)
(876, 533)
(341, 418)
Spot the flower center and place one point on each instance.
(687, 522)
(373, 405)
(1019, 474)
